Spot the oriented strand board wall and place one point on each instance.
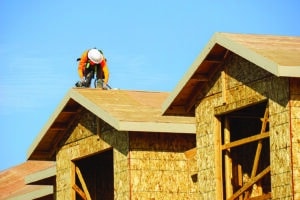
(152, 167)
(245, 83)
(84, 141)
(295, 128)
(158, 167)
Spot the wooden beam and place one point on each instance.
(250, 183)
(200, 77)
(79, 191)
(218, 158)
(213, 61)
(246, 140)
(175, 110)
(59, 126)
(83, 184)
(190, 153)
(223, 78)
(259, 147)
(228, 161)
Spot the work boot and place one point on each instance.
(99, 83)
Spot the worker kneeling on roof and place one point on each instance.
(91, 63)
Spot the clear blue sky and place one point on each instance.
(149, 46)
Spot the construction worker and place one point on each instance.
(93, 62)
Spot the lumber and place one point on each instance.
(86, 191)
(250, 183)
(246, 140)
(228, 160)
(79, 191)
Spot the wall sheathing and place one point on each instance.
(84, 141)
(159, 168)
(145, 165)
(244, 84)
(295, 133)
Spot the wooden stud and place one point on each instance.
(250, 183)
(218, 160)
(79, 191)
(223, 77)
(228, 161)
(246, 140)
(259, 148)
(78, 172)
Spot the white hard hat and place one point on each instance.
(95, 56)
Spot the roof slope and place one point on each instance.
(280, 55)
(123, 110)
(12, 180)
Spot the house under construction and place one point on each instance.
(229, 130)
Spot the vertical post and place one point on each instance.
(218, 159)
(223, 78)
(228, 160)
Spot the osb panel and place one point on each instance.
(295, 132)
(245, 84)
(87, 126)
(84, 141)
(158, 167)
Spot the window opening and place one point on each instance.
(94, 177)
(246, 153)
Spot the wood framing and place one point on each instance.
(229, 130)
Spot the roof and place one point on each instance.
(13, 185)
(280, 55)
(123, 110)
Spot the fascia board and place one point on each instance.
(102, 114)
(157, 127)
(289, 71)
(41, 192)
(132, 126)
(40, 175)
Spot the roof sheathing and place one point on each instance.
(12, 184)
(277, 54)
(123, 110)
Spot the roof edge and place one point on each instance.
(91, 107)
(40, 175)
(247, 53)
(50, 121)
(41, 192)
(289, 71)
(158, 127)
(199, 59)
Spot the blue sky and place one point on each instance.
(149, 46)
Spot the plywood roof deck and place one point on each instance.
(12, 180)
(280, 55)
(124, 110)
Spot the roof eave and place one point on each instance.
(289, 71)
(191, 70)
(237, 48)
(48, 125)
(158, 127)
(40, 176)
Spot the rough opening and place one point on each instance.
(97, 174)
(246, 153)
